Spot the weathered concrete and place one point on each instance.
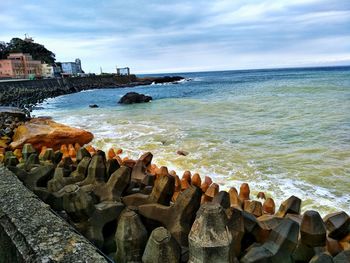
(31, 232)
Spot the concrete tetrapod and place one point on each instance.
(96, 171)
(291, 205)
(113, 189)
(162, 192)
(337, 225)
(161, 248)
(177, 218)
(130, 238)
(210, 239)
(104, 213)
(279, 246)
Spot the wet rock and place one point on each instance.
(130, 238)
(337, 225)
(161, 248)
(291, 205)
(177, 218)
(312, 229)
(210, 239)
(183, 153)
(93, 106)
(44, 132)
(134, 97)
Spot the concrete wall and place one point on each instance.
(20, 93)
(31, 232)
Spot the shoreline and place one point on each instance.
(27, 94)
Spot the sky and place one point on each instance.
(156, 36)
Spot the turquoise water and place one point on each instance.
(283, 131)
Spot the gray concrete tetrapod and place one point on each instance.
(210, 239)
(130, 238)
(161, 248)
(177, 218)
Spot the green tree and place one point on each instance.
(3, 50)
(38, 51)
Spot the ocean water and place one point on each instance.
(285, 132)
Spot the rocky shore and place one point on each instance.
(26, 94)
(135, 211)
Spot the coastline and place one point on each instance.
(26, 94)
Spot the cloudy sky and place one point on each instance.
(176, 36)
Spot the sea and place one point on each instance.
(284, 131)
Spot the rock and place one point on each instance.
(312, 229)
(177, 218)
(210, 239)
(161, 248)
(291, 205)
(134, 97)
(130, 237)
(183, 153)
(167, 79)
(93, 106)
(337, 225)
(43, 132)
(322, 258)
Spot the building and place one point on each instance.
(72, 68)
(47, 71)
(20, 65)
(123, 71)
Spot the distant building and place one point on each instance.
(47, 71)
(20, 65)
(123, 71)
(72, 68)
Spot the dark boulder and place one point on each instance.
(93, 106)
(134, 97)
(167, 79)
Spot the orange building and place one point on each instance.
(19, 65)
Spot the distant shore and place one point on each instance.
(26, 94)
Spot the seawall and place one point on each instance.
(26, 93)
(31, 232)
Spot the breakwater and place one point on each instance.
(25, 94)
(135, 211)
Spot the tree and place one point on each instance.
(3, 50)
(37, 51)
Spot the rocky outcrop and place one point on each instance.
(134, 97)
(45, 132)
